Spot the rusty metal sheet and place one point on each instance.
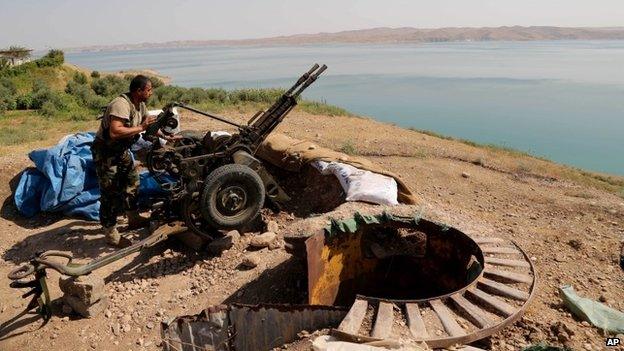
(316, 266)
(264, 327)
(208, 330)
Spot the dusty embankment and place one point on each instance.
(570, 228)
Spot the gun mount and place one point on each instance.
(214, 181)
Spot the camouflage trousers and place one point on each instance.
(118, 180)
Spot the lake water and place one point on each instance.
(560, 100)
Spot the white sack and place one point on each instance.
(361, 185)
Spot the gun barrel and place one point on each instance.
(264, 123)
(211, 115)
(309, 81)
(302, 79)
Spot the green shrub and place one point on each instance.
(14, 71)
(9, 85)
(100, 87)
(48, 109)
(5, 93)
(42, 94)
(110, 86)
(80, 78)
(195, 95)
(10, 103)
(66, 102)
(217, 94)
(82, 92)
(72, 87)
(96, 102)
(39, 96)
(4, 64)
(255, 95)
(24, 102)
(53, 58)
(7, 98)
(95, 74)
(167, 94)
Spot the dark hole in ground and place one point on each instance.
(309, 190)
(400, 262)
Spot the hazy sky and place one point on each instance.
(66, 23)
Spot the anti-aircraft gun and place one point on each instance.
(215, 181)
(211, 182)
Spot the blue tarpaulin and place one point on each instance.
(64, 180)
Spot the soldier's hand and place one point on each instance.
(147, 121)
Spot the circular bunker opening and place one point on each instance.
(391, 258)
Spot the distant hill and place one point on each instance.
(397, 35)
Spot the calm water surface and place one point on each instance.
(560, 100)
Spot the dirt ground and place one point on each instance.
(572, 233)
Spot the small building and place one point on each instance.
(15, 56)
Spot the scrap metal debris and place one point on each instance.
(246, 327)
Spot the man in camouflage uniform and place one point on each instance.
(125, 118)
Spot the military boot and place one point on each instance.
(135, 220)
(112, 235)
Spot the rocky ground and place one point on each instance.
(572, 232)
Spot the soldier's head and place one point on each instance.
(141, 88)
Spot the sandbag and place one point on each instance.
(361, 185)
(292, 154)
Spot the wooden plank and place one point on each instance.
(415, 322)
(507, 262)
(511, 276)
(447, 318)
(499, 250)
(497, 304)
(489, 240)
(384, 320)
(504, 290)
(353, 320)
(475, 314)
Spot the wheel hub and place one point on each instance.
(232, 199)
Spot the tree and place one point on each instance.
(15, 53)
(19, 52)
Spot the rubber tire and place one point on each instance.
(232, 174)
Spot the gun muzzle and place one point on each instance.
(302, 79)
(309, 81)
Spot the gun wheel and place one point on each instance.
(232, 196)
